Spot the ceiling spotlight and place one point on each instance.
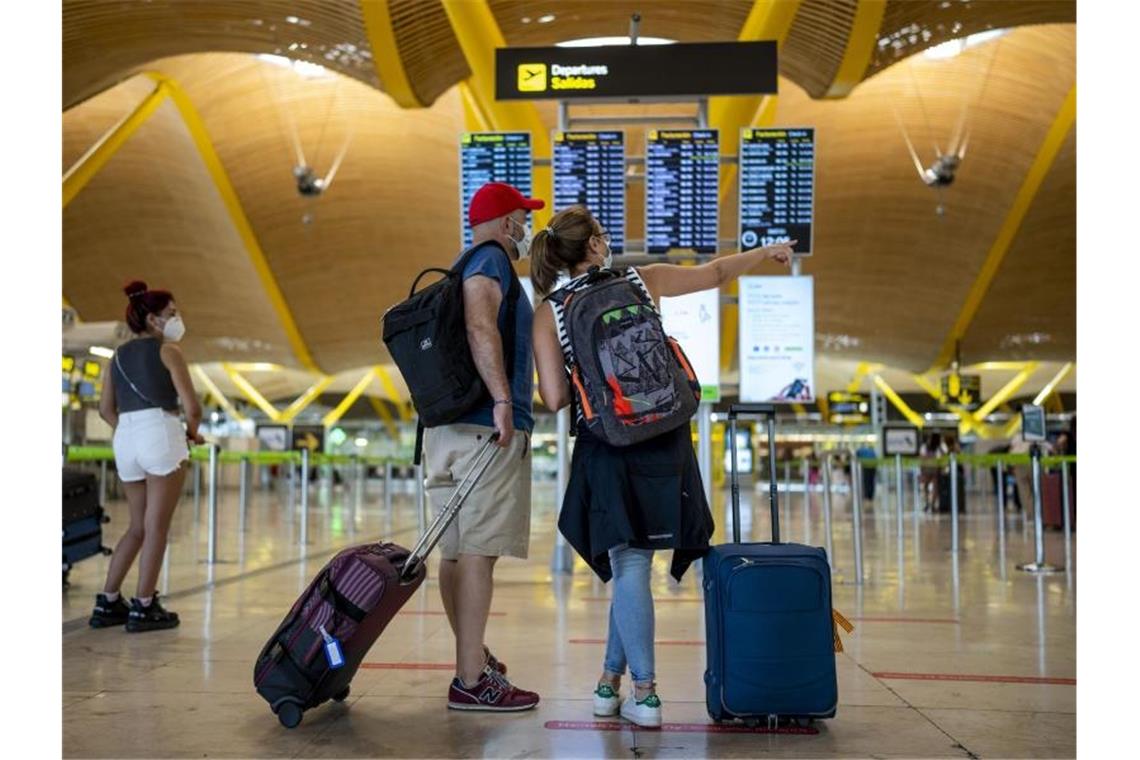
(546, 19)
(308, 183)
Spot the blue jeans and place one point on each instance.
(631, 615)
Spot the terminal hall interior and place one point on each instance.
(252, 188)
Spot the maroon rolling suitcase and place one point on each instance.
(313, 655)
(1052, 513)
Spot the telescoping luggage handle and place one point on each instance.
(435, 531)
(769, 412)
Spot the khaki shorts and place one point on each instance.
(495, 519)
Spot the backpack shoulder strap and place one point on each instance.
(634, 276)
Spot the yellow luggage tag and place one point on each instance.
(837, 622)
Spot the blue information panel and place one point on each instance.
(589, 169)
(777, 187)
(682, 188)
(491, 157)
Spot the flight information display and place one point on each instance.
(491, 157)
(682, 188)
(589, 169)
(777, 187)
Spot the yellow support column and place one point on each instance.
(386, 53)
(332, 417)
(205, 146)
(251, 393)
(1051, 386)
(386, 416)
(389, 386)
(860, 45)
(1043, 161)
(914, 417)
(479, 35)
(213, 389)
(96, 157)
(302, 402)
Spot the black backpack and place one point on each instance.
(427, 338)
(630, 379)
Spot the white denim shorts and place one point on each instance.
(148, 442)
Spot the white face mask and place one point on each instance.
(522, 245)
(174, 329)
(608, 261)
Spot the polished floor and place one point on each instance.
(952, 656)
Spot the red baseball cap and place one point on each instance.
(497, 199)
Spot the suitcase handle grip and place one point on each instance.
(769, 412)
(441, 522)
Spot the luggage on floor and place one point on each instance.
(1052, 515)
(313, 655)
(944, 503)
(83, 518)
(769, 627)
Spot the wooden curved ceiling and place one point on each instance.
(891, 275)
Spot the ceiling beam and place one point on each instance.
(1051, 386)
(386, 53)
(216, 393)
(386, 416)
(914, 417)
(217, 171)
(479, 35)
(302, 402)
(346, 403)
(389, 386)
(96, 157)
(1040, 167)
(861, 41)
(251, 393)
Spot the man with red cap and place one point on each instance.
(495, 519)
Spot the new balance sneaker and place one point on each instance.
(107, 614)
(607, 701)
(646, 713)
(494, 663)
(491, 693)
(150, 617)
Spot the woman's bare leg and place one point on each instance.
(162, 494)
(128, 547)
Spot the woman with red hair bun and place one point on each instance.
(148, 377)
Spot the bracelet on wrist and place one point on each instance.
(502, 401)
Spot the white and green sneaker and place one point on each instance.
(646, 713)
(607, 702)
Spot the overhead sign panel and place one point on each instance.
(962, 391)
(777, 339)
(636, 71)
(491, 157)
(777, 187)
(900, 440)
(694, 320)
(589, 170)
(682, 190)
(844, 408)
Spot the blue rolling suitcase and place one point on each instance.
(83, 519)
(768, 618)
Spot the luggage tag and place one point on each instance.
(333, 652)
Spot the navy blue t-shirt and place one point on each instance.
(491, 261)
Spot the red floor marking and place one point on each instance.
(656, 599)
(977, 678)
(679, 728)
(905, 620)
(659, 642)
(408, 665)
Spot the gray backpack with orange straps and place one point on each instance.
(629, 379)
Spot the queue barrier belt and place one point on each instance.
(202, 454)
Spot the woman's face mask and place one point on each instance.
(173, 329)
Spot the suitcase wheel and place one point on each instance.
(342, 695)
(106, 552)
(289, 714)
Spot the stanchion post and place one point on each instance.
(389, 471)
(197, 487)
(561, 561)
(244, 468)
(421, 499)
(704, 447)
(827, 509)
(212, 506)
(857, 515)
(807, 501)
(103, 483)
(1038, 565)
(954, 502)
(304, 497)
(899, 493)
(1066, 500)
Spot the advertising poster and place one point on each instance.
(694, 320)
(777, 339)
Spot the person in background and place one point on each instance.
(147, 379)
(614, 492)
(930, 473)
(870, 472)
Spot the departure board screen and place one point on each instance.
(589, 169)
(491, 157)
(682, 185)
(777, 187)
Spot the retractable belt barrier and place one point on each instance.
(202, 454)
